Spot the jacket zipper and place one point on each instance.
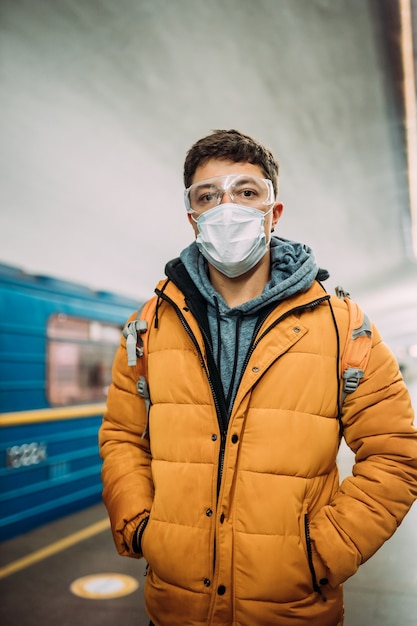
(220, 420)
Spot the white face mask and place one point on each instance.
(232, 237)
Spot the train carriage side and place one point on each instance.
(57, 344)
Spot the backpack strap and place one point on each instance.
(358, 345)
(137, 349)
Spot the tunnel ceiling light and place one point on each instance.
(409, 93)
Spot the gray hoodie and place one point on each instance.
(293, 270)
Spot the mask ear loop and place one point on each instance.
(270, 230)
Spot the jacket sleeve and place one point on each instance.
(370, 504)
(126, 472)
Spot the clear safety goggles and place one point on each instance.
(251, 191)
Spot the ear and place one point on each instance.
(276, 213)
(193, 224)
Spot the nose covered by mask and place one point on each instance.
(232, 238)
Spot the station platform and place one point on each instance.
(69, 574)
(43, 572)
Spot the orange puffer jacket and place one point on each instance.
(251, 527)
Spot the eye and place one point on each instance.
(247, 193)
(206, 198)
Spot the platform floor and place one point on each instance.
(37, 570)
(39, 594)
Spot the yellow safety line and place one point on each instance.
(53, 548)
(46, 415)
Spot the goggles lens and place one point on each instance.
(251, 191)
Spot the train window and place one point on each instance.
(80, 358)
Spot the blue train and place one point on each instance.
(57, 344)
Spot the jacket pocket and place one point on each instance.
(137, 539)
(141, 530)
(316, 582)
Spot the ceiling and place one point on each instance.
(100, 101)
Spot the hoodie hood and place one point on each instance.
(293, 270)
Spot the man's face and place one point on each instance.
(220, 167)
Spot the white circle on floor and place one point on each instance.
(104, 586)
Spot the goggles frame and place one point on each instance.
(229, 181)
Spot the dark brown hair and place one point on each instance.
(230, 145)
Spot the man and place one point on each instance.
(229, 487)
